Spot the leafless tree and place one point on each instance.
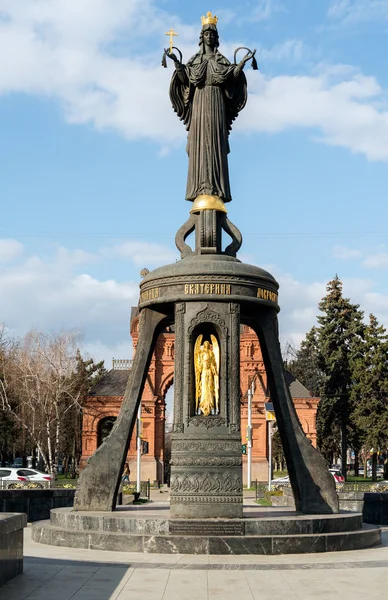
(38, 387)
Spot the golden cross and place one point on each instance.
(171, 33)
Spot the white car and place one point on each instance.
(11, 477)
(285, 481)
(281, 481)
(338, 477)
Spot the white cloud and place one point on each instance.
(377, 304)
(376, 261)
(343, 112)
(344, 253)
(63, 49)
(357, 289)
(142, 254)
(299, 303)
(103, 66)
(102, 351)
(58, 292)
(351, 11)
(55, 290)
(52, 293)
(226, 15)
(290, 50)
(265, 9)
(9, 250)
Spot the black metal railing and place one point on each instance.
(145, 489)
(16, 484)
(362, 486)
(260, 489)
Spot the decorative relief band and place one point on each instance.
(207, 316)
(216, 285)
(220, 437)
(206, 499)
(208, 422)
(205, 446)
(206, 483)
(206, 461)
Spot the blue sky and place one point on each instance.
(93, 164)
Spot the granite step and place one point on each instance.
(45, 533)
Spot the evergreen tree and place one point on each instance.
(340, 331)
(277, 452)
(328, 429)
(369, 392)
(304, 365)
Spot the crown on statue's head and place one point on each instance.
(209, 19)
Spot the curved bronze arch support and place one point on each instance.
(312, 484)
(99, 482)
(236, 236)
(182, 233)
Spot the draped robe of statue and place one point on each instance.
(207, 94)
(207, 370)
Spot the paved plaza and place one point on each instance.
(52, 573)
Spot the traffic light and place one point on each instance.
(244, 448)
(144, 447)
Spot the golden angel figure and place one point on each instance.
(207, 365)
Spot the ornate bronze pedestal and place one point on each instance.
(208, 295)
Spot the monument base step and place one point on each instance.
(280, 532)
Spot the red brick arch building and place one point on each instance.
(103, 404)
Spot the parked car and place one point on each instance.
(281, 481)
(10, 477)
(285, 481)
(361, 471)
(337, 474)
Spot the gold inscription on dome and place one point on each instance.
(219, 289)
(264, 294)
(151, 294)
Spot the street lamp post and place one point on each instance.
(249, 440)
(249, 435)
(269, 454)
(138, 449)
(269, 418)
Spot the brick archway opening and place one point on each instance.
(104, 427)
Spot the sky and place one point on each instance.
(93, 165)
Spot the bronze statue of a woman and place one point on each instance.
(207, 94)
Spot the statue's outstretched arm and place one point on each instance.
(181, 72)
(249, 56)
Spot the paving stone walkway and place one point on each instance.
(53, 573)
